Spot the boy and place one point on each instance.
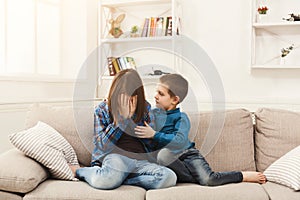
(171, 138)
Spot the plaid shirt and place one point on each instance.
(106, 134)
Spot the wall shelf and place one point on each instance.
(272, 35)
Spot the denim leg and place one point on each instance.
(167, 158)
(151, 176)
(114, 170)
(202, 172)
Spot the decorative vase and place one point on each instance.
(282, 61)
(262, 18)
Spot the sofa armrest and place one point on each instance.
(19, 173)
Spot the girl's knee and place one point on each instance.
(104, 184)
(171, 178)
(166, 179)
(165, 157)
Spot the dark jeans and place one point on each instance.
(190, 166)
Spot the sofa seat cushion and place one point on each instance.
(233, 149)
(245, 191)
(280, 192)
(19, 173)
(9, 196)
(277, 132)
(59, 189)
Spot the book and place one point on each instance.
(122, 62)
(115, 64)
(169, 26)
(110, 66)
(159, 26)
(152, 26)
(145, 28)
(130, 63)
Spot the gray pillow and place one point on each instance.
(19, 173)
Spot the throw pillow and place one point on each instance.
(44, 144)
(286, 170)
(20, 179)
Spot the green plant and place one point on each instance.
(134, 29)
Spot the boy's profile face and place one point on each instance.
(163, 99)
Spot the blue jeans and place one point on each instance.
(117, 170)
(191, 166)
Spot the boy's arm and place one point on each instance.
(176, 139)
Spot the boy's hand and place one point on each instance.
(144, 131)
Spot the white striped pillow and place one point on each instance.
(44, 144)
(286, 170)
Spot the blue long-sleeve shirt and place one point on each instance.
(172, 129)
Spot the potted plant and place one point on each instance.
(262, 14)
(134, 31)
(262, 10)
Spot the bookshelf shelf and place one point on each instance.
(144, 77)
(138, 39)
(274, 35)
(120, 3)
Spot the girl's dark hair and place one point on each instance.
(130, 83)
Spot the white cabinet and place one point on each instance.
(275, 41)
(149, 53)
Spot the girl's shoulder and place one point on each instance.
(102, 106)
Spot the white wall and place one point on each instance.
(223, 30)
(17, 94)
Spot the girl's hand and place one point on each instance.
(124, 108)
(144, 131)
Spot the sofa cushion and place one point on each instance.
(19, 173)
(44, 144)
(244, 191)
(74, 124)
(57, 189)
(286, 170)
(9, 196)
(280, 192)
(277, 132)
(234, 148)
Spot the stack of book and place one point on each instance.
(157, 26)
(116, 64)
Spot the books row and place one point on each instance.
(157, 26)
(116, 64)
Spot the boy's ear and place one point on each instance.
(176, 100)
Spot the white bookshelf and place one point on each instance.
(135, 13)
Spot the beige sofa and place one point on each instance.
(241, 146)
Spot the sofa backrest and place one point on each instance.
(234, 148)
(277, 132)
(74, 124)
